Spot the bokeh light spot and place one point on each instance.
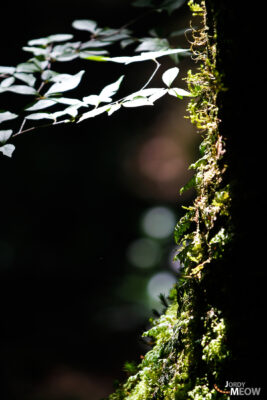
(158, 222)
(144, 253)
(161, 282)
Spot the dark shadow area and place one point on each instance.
(74, 300)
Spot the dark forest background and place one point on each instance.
(75, 201)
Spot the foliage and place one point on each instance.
(45, 88)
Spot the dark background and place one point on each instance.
(73, 198)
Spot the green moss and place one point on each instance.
(190, 338)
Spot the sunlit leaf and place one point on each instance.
(37, 51)
(37, 116)
(94, 112)
(60, 37)
(138, 102)
(27, 67)
(85, 25)
(110, 90)
(143, 56)
(7, 115)
(7, 82)
(169, 76)
(7, 149)
(5, 135)
(7, 70)
(27, 78)
(114, 108)
(65, 82)
(91, 44)
(176, 92)
(93, 100)
(40, 105)
(48, 75)
(21, 89)
(152, 44)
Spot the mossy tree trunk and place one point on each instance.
(213, 330)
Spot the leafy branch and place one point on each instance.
(36, 78)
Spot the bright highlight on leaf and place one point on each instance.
(169, 76)
(85, 25)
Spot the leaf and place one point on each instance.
(153, 44)
(7, 70)
(65, 82)
(110, 90)
(40, 105)
(37, 116)
(7, 82)
(137, 102)
(6, 116)
(48, 75)
(21, 89)
(5, 135)
(60, 37)
(169, 76)
(7, 149)
(176, 92)
(144, 56)
(91, 44)
(152, 93)
(94, 112)
(93, 100)
(37, 51)
(171, 5)
(27, 67)
(27, 78)
(189, 185)
(38, 42)
(114, 108)
(85, 25)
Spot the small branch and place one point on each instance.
(153, 74)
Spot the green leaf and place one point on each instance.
(94, 112)
(85, 25)
(7, 70)
(21, 89)
(7, 82)
(93, 57)
(65, 82)
(37, 116)
(169, 76)
(189, 185)
(183, 225)
(176, 92)
(6, 116)
(27, 78)
(5, 135)
(7, 149)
